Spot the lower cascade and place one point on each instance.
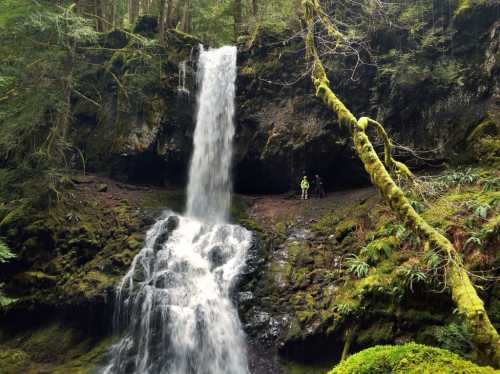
(174, 306)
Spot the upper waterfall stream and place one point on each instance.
(174, 305)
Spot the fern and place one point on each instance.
(473, 240)
(455, 338)
(491, 184)
(357, 266)
(5, 253)
(482, 210)
(413, 275)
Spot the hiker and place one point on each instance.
(304, 186)
(319, 189)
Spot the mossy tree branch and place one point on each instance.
(463, 292)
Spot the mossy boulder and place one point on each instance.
(410, 358)
(484, 142)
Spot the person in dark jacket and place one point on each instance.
(319, 188)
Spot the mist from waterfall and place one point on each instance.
(174, 309)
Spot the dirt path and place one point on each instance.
(265, 209)
(271, 209)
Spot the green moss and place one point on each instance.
(442, 210)
(35, 279)
(380, 248)
(295, 331)
(49, 342)
(410, 358)
(174, 200)
(280, 228)
(134, 242)
(53, 348)
(326, 224)
(13, 361)
(297, 368)
(238, 209)
(248, 70)
(344, 228)
(484, 142)
(378, 333)
(466, 5)
(251, 224)
(86, 362)
(305, 316)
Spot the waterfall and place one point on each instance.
(209, 189)
(181, 87)
(173, 307)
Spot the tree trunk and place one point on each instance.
(186, 17)
(463, 292)
(98, 13)
(162, 21)
(133, 11)
(169, 15)
(349, 337)
(114, 13)
(237, 15)
(255, 8)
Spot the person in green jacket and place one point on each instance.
(304, 186)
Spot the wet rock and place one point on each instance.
(102, 187)
(245, 299)
(255, 259)
(217, 257)
(172, 223)
(148, 220)
(259, 320)
(139, 274)
(160, 241)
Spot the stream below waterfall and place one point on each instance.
(173, 308)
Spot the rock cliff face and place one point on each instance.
(430, 91)
(142, 130)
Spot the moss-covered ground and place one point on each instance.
(346, 262)
(68, 259)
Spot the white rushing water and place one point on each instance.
(174, 305)
(181, 87)
(209, 189)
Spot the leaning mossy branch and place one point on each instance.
(398, 167)
(463, 292)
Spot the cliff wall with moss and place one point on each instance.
(431, 78)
